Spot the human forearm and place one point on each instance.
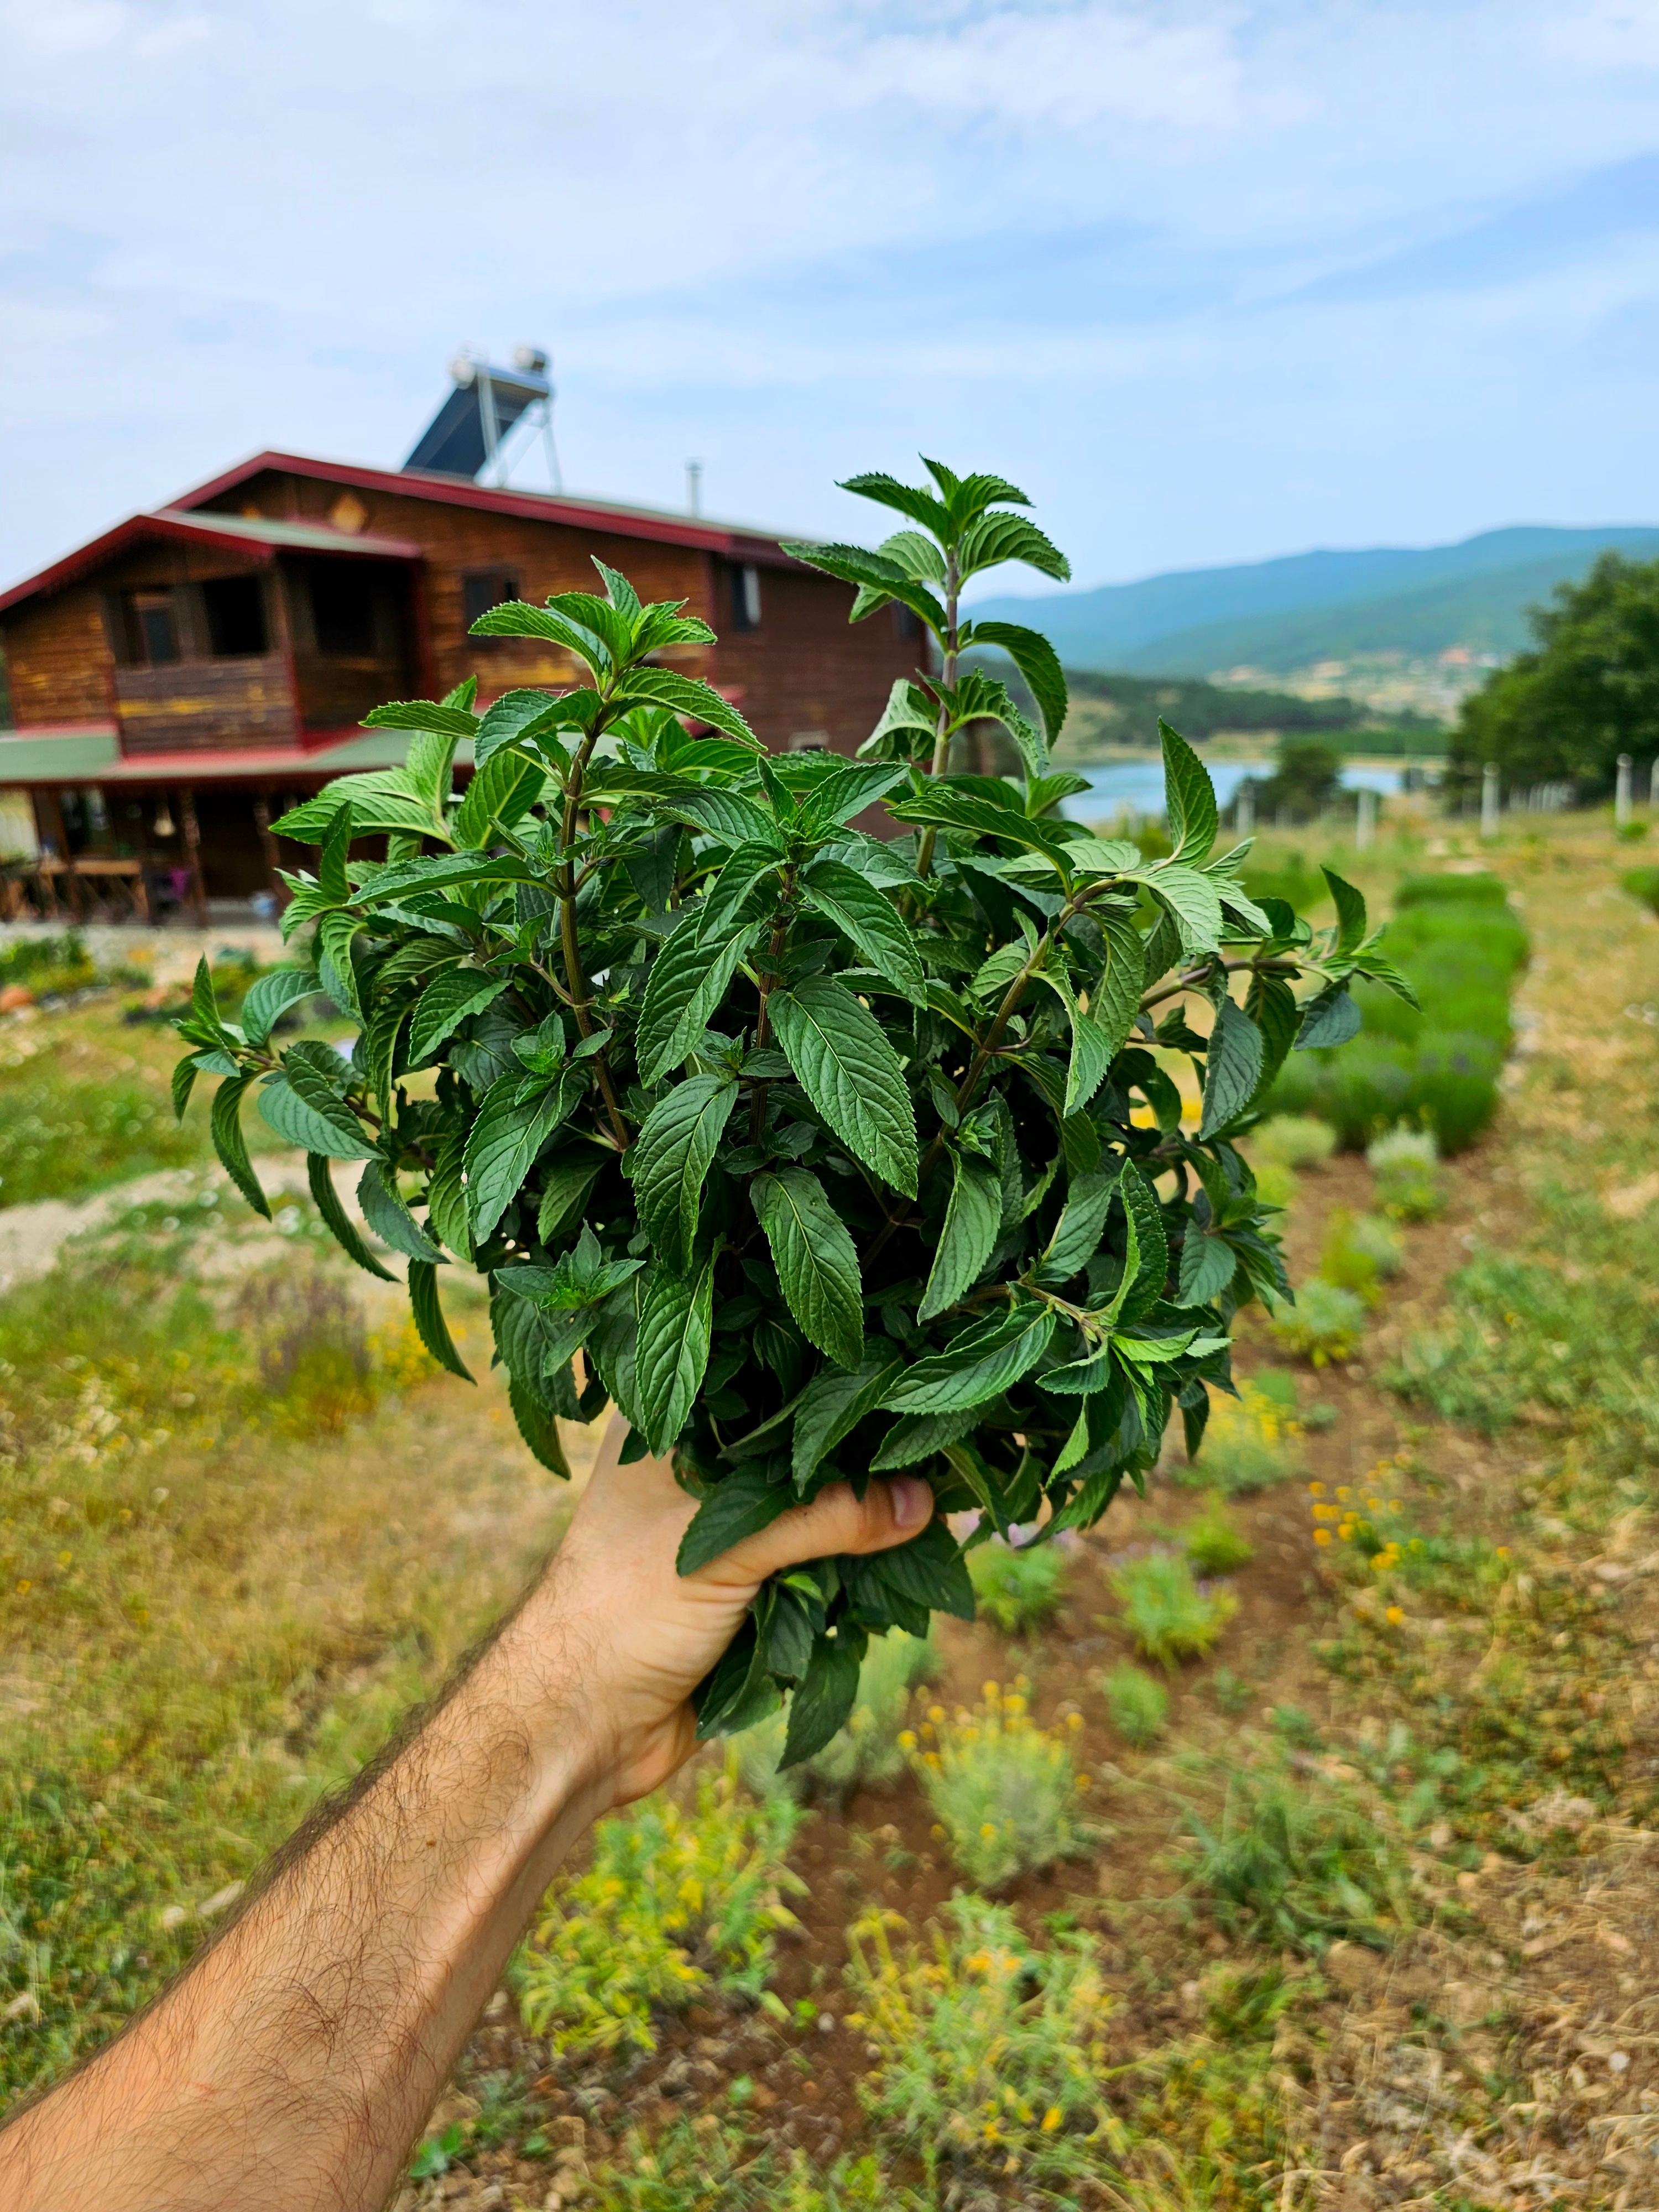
(295, 2063)
(300, 2057)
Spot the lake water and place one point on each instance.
(1137, 786)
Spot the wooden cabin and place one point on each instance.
(179, 680)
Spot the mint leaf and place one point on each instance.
(818, 1264)
(851, 1073)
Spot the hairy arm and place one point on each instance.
(296, 2060)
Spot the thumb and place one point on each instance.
(889, 1513)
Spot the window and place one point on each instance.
(745, 597)
(343, 610)
(148, 630)
(484, 588)
(907, 622)
(235, 610)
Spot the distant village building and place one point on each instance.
(179, 681)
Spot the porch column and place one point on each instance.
(268, 846)
(192, 833)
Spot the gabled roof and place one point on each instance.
(90, 752)
(735, 540)
(234, 533)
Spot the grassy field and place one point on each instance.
(1289, 1845)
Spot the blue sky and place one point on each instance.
(1216, 282)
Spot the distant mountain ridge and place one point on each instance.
(1284, 614)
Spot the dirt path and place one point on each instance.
(33, 1237)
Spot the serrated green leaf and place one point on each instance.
(1192, 901)
(816, 1262)
(928, 1571)
(977, 1365)
(503, 1142)
(1207, 1264)
(501, 793)
(225, 1124)
(1232, 1068)
(832, 1406)
(1115, 1000)
(941, 806)
(1188, 799)
(994, 539)
(917, 1437)
(566, 1184)
(671, 1353)
(337, 1220)
(1036, 661)
(1151, 1240)
(445, 1195)
(685, 694)
(862, 914)
(1078, 1230)
(185, 1073)
(973, 1222)
(429, 1323)
(1350, 905)
(740, 1505)
(384, 1210)
(669, 1159)
(442, 721)
(819, 1708)
(453, 995)
(299, 1120)
(1330, 1017)
(271, 996)
(847, 1067)
(688, 978)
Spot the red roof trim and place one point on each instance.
(138, 527)
(528, 507)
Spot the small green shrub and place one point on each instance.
(1296, 1865)
(990, 2047)
(711, 2165)
(1004, 1790)
(1138, 1703)
(1458, 891)
(1231, 1693)
(51, 966)
(1360, 1252)
(1293, 1140)
(674, 1905)
(1017, 1587)
(867, 1752)
(1275, 1186)
(1643, 886)
(1214, 1543)
(1411, 1185)
(1325, 1324)
(1167, 1616)
(1250, 1443)
(1437, 1063)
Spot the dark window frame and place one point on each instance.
(744, 593)
(225, 620)
(485, 588)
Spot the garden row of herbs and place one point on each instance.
(690, 1041)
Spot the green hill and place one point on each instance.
(1487, 614)
(1282, 615)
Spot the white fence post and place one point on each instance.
(1365, 825)
(1490, 797)
(1244, 813)
(1621, 793)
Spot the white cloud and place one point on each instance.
(784, 232)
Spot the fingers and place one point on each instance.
(889, 1513)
